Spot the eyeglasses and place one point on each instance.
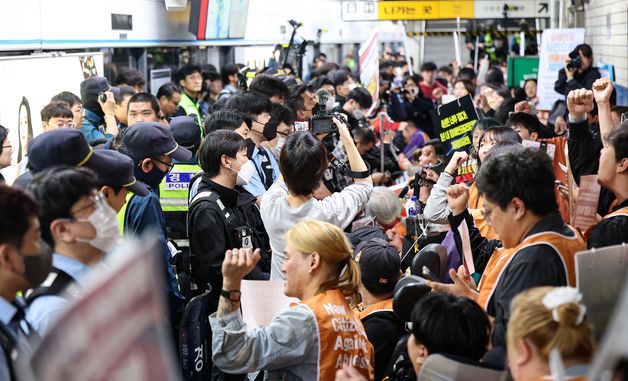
(66, 125)
(96, 200)
(9, 146)
(283, 134)
(169, 165)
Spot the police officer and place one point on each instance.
(153, 149)
(20, 250)
(222, 215)
(173, 190)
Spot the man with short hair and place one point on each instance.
(229, 74)
(343, 84)
(538, 247)
(190, 80)
(143, 107)
(153, 149)
(80, 226)
(302, 101)
(169, 97)
(380, 269)
(131, 77)
(430, 87)
(221, 214)
(20, 249)
(56, 115)
(281, 119)
(364, 139)
(266, 172)
(272, 87)
(100, 121)
(356, 107)
(74, 104)
(122, 95)
(228, 120)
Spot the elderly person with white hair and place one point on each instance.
(383, 210)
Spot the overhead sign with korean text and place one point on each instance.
(372, 10)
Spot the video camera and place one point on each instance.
(321, 122)
(575, 62)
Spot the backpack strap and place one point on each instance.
(214, 198)
(58, 283)
(8, 341)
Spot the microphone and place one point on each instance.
(323, 97)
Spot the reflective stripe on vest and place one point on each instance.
(122, 212)
(341, 336)
(566, 247)
(173, 190)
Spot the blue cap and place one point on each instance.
(186, 131)
(116, 170)
(63, 146)
(152, 139)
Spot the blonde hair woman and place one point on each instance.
(310, 340)
(546, 319)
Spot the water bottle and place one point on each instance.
(411, 207)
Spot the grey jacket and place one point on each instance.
(287, 349)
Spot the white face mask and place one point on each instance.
(245, 173)
(352, 86)
(105, 221)
(276, 150)
(358, 113)
(331, 102)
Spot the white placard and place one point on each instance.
(262, 300)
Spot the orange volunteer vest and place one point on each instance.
(476, 203)
(565, 246)
(559, 163)
(341, 336)
(384, 305)
(619, 212)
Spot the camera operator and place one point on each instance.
(409, 103)
(356, 107)
(302, 163)
(578, 72)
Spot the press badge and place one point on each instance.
(178, 180)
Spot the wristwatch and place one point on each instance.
(233, 295)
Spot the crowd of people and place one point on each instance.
(334, 192)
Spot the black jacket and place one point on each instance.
(610, 231)
(580, 80)
(211, 236)
(383, 329)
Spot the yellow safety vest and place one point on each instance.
(173, 190)
(122, 212)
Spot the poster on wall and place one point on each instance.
(21, 106)
(555, 47)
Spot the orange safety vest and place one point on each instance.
(384, 305)
(560, 165)
(476, 204)
(564, 246)
(341, 336)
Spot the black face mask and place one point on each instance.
(36, 268)
(270, 131)
(152, 178)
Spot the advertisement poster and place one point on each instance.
(555, 47)
(20, 108)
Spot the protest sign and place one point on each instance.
(115, 330)
(548, 148)
(369, 66)
(600, 276)
(453, 123)
(586, 203)
(466, 172)
(555, 47)
(261, 301)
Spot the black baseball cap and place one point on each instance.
(151, 139)
(63, 146)
(186, 131)
(379, 262)
(93, 86)
(116, 170)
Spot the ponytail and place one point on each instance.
(335, 251)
